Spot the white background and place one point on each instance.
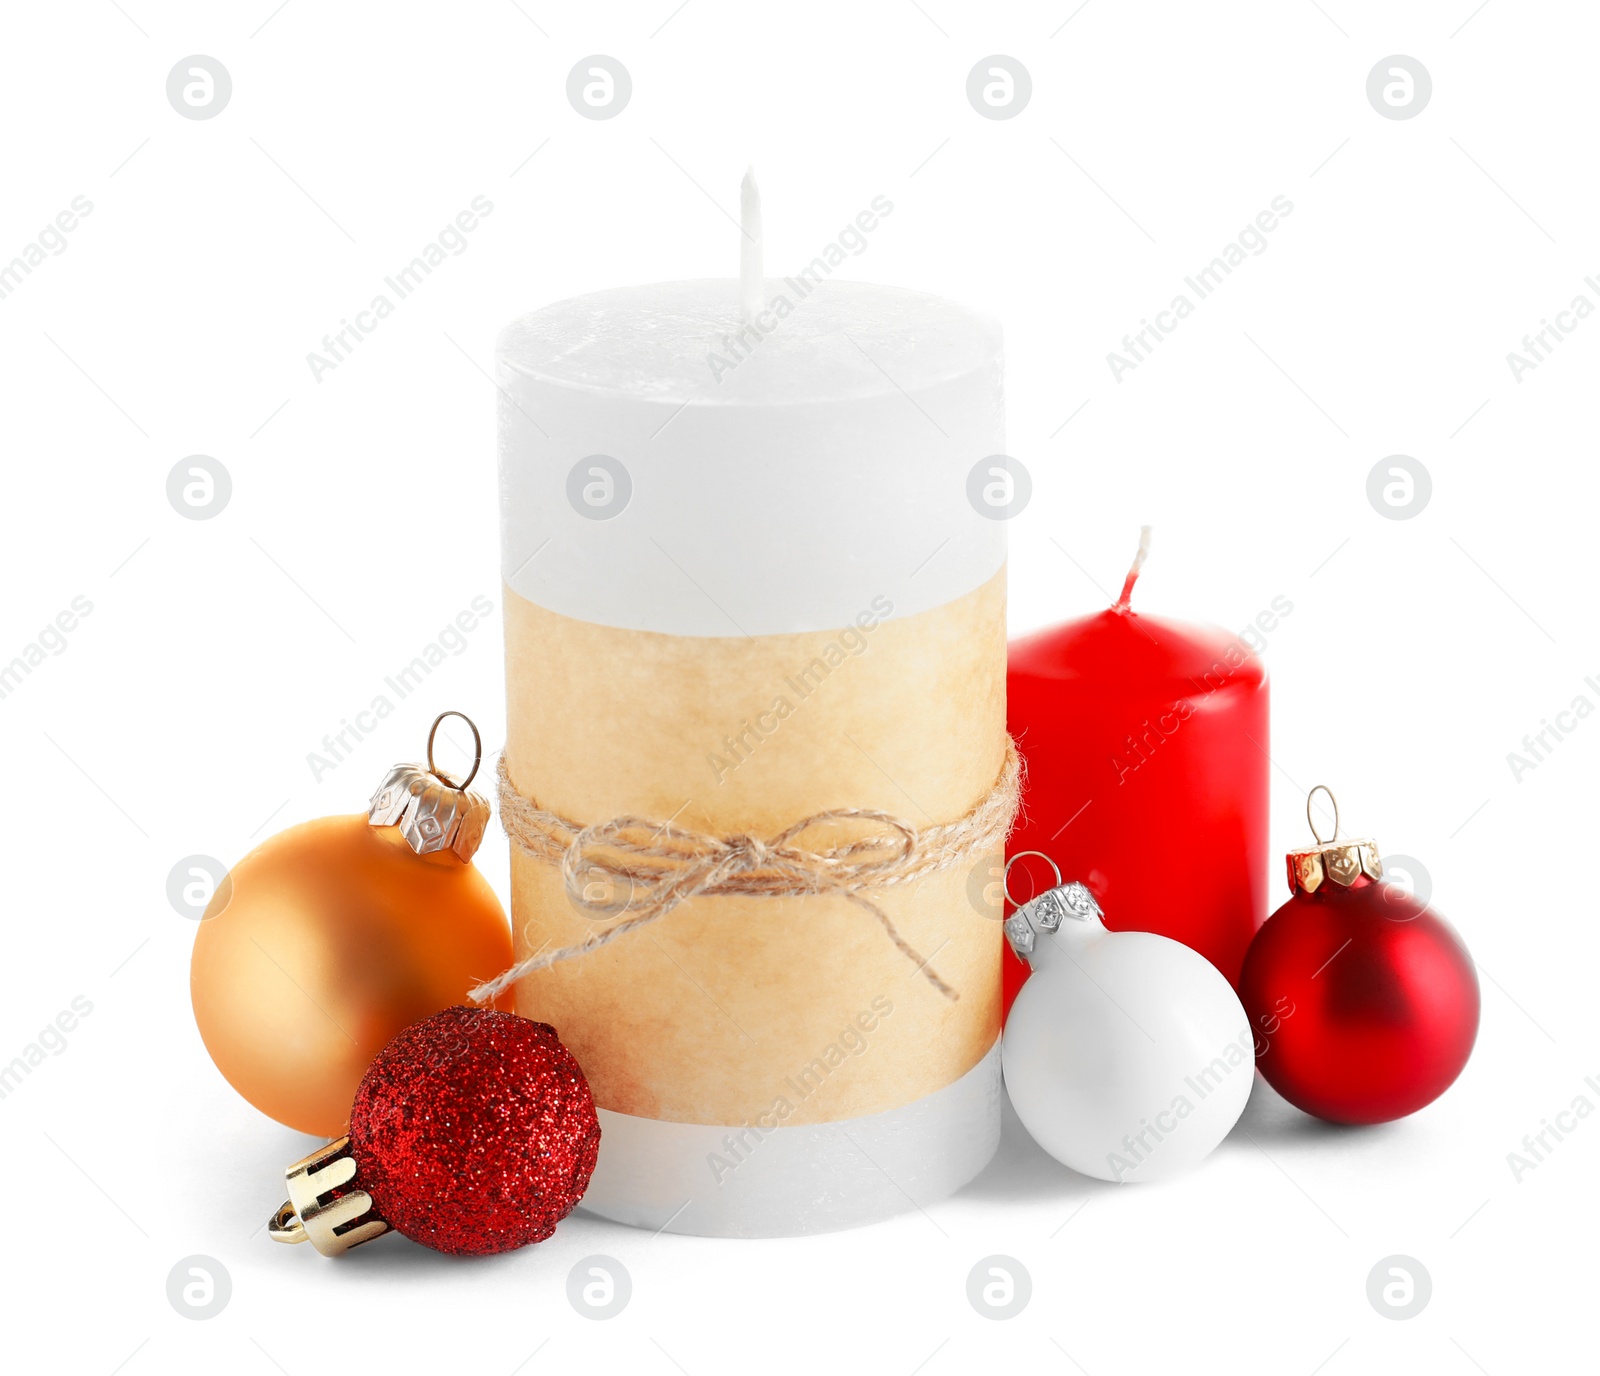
(218, 653)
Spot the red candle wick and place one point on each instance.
(1122, 603)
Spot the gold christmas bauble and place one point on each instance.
(331, 937)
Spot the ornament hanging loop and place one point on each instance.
(1005, 878)
(1311, 821)
(285, 1225)
(477, 752)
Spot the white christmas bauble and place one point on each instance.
(1127, 1055)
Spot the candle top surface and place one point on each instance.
(1114, 650)
(814, 341)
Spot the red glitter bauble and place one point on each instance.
(474, 1131)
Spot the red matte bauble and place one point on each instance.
(474, 1131)
(1364, 1002)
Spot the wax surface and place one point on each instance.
(1146, 744)
(828, 467)
(843, 340)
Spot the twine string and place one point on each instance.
(660, 865)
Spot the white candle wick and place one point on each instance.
(752, 293)
(1133, 573)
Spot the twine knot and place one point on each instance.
(647, 868)
(749, 848)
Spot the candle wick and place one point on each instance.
(752, 288)
(1133, 572)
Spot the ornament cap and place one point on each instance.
(321, 1209)
(1341, 862)
(433, 811)
(1045, 912)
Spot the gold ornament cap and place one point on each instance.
(433, 811)
(321, 1209)
(1337, 861)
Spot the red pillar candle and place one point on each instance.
(1146, 748)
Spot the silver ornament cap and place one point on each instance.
(1046, 911)
(433, 811)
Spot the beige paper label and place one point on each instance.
(736, 1010)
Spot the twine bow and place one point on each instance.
(651, 867)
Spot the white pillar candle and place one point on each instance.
(705, 516)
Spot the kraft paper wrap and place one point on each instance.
(715, 1012)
